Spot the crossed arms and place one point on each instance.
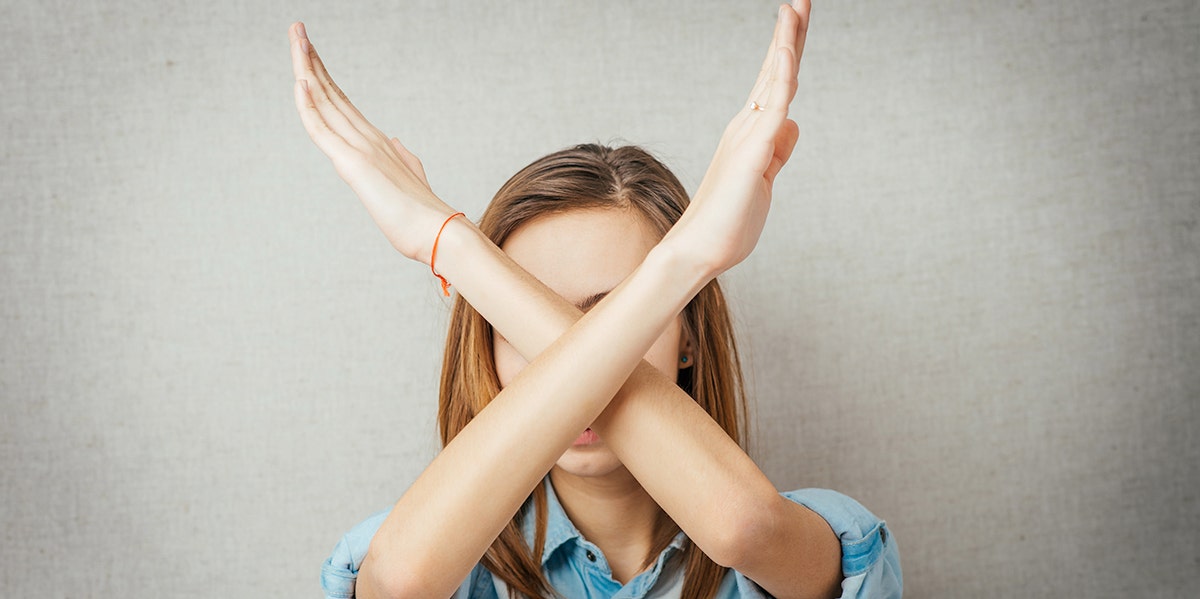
(683, 459)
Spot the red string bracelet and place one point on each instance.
(433, 254)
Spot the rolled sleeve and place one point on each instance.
(340, 571)
(870, 555)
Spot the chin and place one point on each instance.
(588, 461)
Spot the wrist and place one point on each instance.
(437, 230)
(690, 268)
(684, 270)
(454, 240)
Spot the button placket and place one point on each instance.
(591, 556)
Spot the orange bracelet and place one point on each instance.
(433, 254)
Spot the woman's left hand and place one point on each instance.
(726, 216)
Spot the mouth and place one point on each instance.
(587, 437)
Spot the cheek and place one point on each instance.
(508, 360)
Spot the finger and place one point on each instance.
(779, 94)
(333, 117)
(764, 72)
(803, 10)
(327, 140)
(410, 160)
(785, 33)
(763, 129)
(785, 142)
(298, 31)
(339, 99)
(320, 133)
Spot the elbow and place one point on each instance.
(745, 534)
(376, 582)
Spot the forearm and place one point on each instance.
(680, 455)
(687, 463)
(715, 492)
(526, 312)
(461, 502)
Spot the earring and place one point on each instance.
(683, 360)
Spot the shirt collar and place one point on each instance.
(559, 528)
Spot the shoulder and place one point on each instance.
(870, 555)
(340, 570)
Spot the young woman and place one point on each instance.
(591, 397)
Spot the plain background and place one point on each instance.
(975, 307)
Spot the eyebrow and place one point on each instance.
(591, 300)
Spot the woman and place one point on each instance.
(590, 395)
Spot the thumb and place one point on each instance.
(410, 160)
(785, 142)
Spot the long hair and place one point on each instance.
(590, 176)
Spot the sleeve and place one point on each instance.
(340, 571)
(870, 555)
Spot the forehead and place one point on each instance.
(581, 252)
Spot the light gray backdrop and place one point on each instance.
(974, 307)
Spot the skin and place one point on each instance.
(580, 255)
(681, 460)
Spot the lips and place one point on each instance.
(587, 437)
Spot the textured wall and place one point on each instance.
(975, 308)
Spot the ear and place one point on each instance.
(687, 352)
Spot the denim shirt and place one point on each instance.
(576, 568)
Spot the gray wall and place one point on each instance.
(974, 308)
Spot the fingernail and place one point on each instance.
(304, 45)
(781, 8)
(301, 31)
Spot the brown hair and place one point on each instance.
(590, 176)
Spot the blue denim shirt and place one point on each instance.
(577, 569)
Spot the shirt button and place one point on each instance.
(591, 556)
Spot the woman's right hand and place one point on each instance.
(388, 178)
